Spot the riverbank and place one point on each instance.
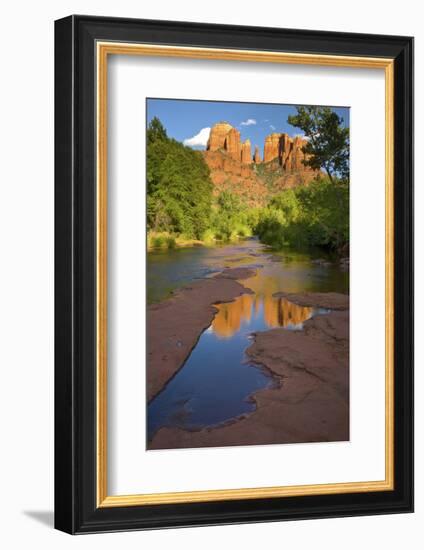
(310, 403)
(169, 241)
(166, 241)
(175, 325)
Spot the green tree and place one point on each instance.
(287, 202)
(228, 214)
(229, 203)
(179, 189)
(156, 131)
(312, 215)
(328, 140)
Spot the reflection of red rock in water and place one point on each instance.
(230, 316)
(277, 313)
(282, 313)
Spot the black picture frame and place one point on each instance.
(76, 510)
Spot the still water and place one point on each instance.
(217, 381)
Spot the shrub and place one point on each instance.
(160, 240)
(316, 215)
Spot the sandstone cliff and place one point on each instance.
(234, 169)
(246, 155)
(228, 174)
(288, 151)
(232, 144)
(218, 136)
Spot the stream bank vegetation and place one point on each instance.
(183, 211)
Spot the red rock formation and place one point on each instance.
(271, 147)
(246, 155)
(231, 164)
(294, 161)
(217, 136)
(288, 151)
(228, 174)
(286, 145)
(257, 156)
(232, 144)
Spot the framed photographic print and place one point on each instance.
(234, 271)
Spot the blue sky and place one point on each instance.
(190, 120)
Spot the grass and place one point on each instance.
(160, 241)
(168, 241)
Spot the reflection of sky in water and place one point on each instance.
(215, 383)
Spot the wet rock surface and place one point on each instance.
(175, 325)
(311, 401)
(327, 300)
(237, 273)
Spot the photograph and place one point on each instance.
(247, 260)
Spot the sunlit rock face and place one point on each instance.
(218, 136)
(278, 146)
(285, 150)
(246, 155)
(234, 169)
(230, 164)
(232, 144)
(223, 137)
(228, 174)
(271, 147)
(288, 151)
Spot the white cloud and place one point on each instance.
(272, 127)
(301, 136)
(248, 122)
(199, 140)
